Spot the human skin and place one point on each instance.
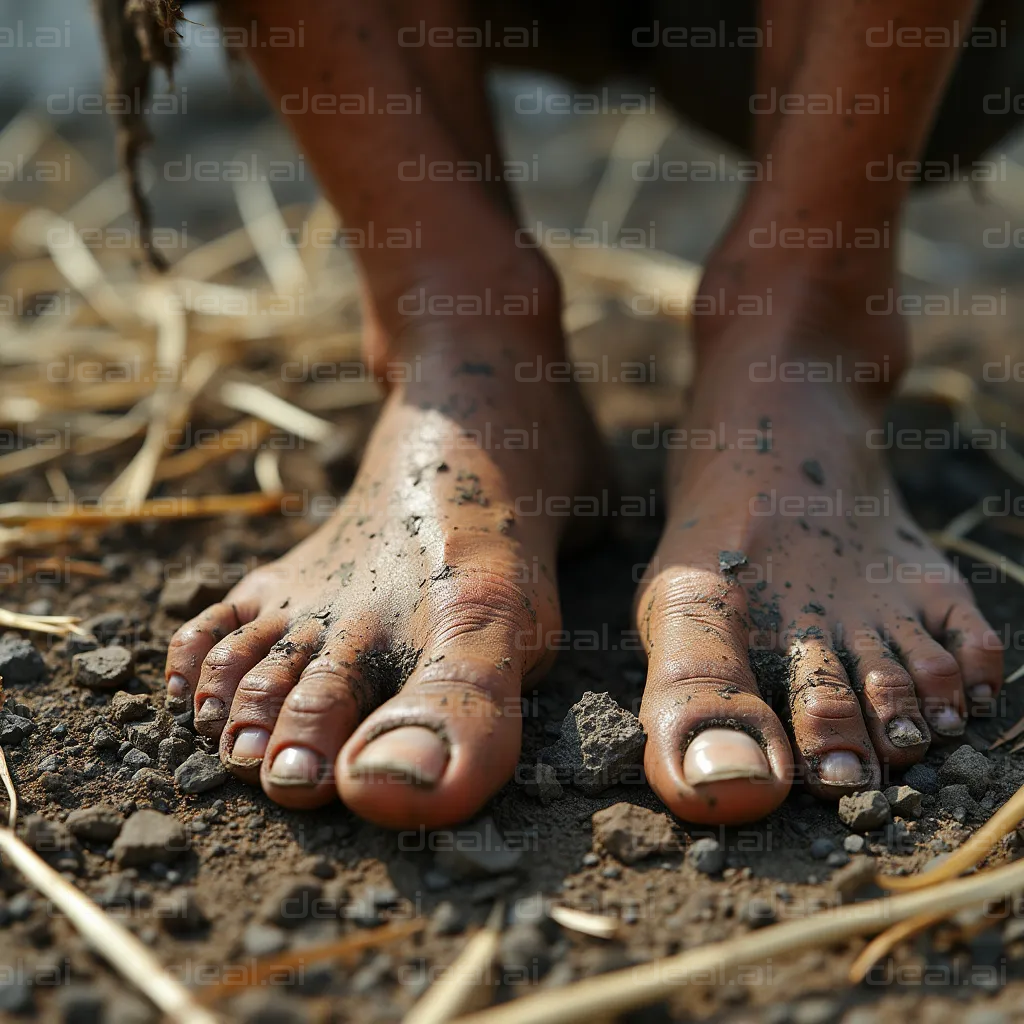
(382, 659)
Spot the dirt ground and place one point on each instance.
(247, 878)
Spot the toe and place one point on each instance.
(831, 739)
(716, 753)
(259, 696)
(889, 704)
(434, 753)
(225, 665)
(193, 641)
(978, 651)
(935, 672)
(317, 716)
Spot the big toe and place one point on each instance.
(409, 755)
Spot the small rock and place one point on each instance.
(99, 823)
(106, 626)
(447, 920)
(854, 843)
(21, 906)
(904, 801)
(20, 662)
(291, 901)
(968, 767)
(957, 798)
(136, 759)
(837, 859)
(758, 912)
(475, 850)
(15, 992)
(180, 913)
(154, 781)
(79, 1004)
(631, 833)
(922, 778)
(149, 836)
(821, 848)
(172, 753)
(147, 735)
(263, 940)
(186, 596)
(863, 812)
(129, 707)
(104, 668)
(591, 859)
(707, 856)
(13, 729)
(41, 606)
(544, 785)
(201, 772)
(599, 743)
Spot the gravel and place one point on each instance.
(200, 772)
(129, 707)
(13, 729)
(631, 833)
(865, 812)
(172, 752)
(104, 668)
(821, 848)
(136, 759)
(904, 801)
(967, 767)
(20, 662)
(600, 743)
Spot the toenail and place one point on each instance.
(841, 768)
(981, 692)
(947, 722)
(904, 733)
(717, 755)
(250, 743)
(212, 710)
(296, 766)
(413, 755)
(177, 686)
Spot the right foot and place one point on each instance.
(382, 658)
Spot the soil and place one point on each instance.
(240, 848)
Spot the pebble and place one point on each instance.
(179, 911)
(904, 801)
(922, 778)
(263, 939)
(956, 797)
(129, 707)
(631, 833)
(854, 843)
(172, 752)
(864, 812)
(291, 901)
(106, 626)
(20, 662)
(544, 785)
(591, 859)
(200, 772)
(968, 767)
(757, 913)
(154, 781)
(612, 871)
(707, 856)
(13, 729)
(20, 906)
(186, 596)
(104, 668)
(99, 823)
(475, 850)
(50, 763)
(136, 759)
(837, 859)
(40, 606)
(821, 848)
(599, 743)
(147, 735)
(149, 836)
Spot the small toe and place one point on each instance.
(193, 641)
(832, 742)
(978, 650)
(318, 715)
(225, 665)
(935, 673)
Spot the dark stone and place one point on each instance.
(186, 596)
(99, 823)
(967, 767)
(20, 662)
(865, 812)
(103, 669)
(149, 836)
(201, 772)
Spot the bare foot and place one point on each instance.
(382, 658)
(789, 573)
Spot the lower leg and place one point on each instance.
(767, 583)
(383, 657)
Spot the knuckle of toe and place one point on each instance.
(888, 680)
(319, 699)
(222, 658)
(830, 699)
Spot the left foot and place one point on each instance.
(789, 572)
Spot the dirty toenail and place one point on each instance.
(212, 710)
(981, 692)
(177, 686)
(841, 768)
(904, 733)
(413, 755)
(948, 722)
(718, 755)
(296, 766)
(250, 743)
